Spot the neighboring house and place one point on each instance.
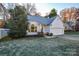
(70, 25)
(38, 24)
(3, 18)
(67, 27)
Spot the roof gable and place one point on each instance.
(57, 23)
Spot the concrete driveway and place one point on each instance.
(70, 37)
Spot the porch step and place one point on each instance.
(32, 33)
(49, 36)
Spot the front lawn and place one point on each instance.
(33, 46)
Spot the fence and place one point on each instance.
(3, 32)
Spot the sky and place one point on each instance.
(44, 8)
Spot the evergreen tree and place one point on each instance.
(53, 13)
(18, 22)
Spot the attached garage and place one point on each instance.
(57, 27)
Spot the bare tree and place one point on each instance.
(30, 8)
(3, 11)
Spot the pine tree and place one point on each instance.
(18, 22)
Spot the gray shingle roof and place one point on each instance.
(41, 20)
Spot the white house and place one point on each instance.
(38, 24)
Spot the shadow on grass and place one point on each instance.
(8, 38)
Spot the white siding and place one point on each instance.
(57, 23)
(46, 29)
(57, 27)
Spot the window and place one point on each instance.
(35, 29)
(32, 28)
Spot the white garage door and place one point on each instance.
(57, 31)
